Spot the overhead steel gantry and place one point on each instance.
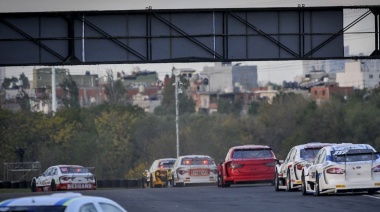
(187, 35)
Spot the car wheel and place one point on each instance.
(303, 186)
(316, 186)
(220, 182)
(276, 184)
(151, 181)
(34, 185)
(53, 187)
(288, 182)
(173, 184)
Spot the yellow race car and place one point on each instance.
(159, 174)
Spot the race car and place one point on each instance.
(159, 173)
(288, 172)
(64, 177)
(64, 202)
(195, 170)
(247, 164)
(343, 168)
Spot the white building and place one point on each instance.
(360, 74)
(229, 78)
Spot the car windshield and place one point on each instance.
(252, 153)
(166, 164)
(309, 153)
(354, 155)
(49, 208)
(197, 161)
(71, 169)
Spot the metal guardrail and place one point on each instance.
(25, 167)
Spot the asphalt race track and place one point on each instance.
(236, 198)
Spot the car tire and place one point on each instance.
(220, 182)
(316, 186)
(151, 181)
(34, 186)
(288, 182)
(53, 186)
(303, 186)
(173, 183)
(276, 182)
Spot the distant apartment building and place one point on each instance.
(143, 89)
(228, 78)
(360, 74)
(90, 88)
(324, 93)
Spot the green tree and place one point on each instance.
(10, 83)
(70, 98)
(114, 89)
(168, 105)
(25, 81)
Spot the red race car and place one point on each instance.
(247, 164)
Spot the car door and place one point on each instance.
(44, 180)
(289, 159)
(317, 165)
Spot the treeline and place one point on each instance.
(122, 141)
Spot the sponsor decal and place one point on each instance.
(340, 186)
(79, 186)
(377, 184)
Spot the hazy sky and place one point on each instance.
(273, 71)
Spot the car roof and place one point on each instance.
(163, 159)
(57, 199)
(343, 146)
(250, 146)
(69, 200)
(195, 156)
(68, 165)
(313, 145)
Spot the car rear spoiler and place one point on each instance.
(358, 153)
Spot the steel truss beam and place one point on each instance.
(153, 36)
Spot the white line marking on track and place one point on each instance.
(376, 197)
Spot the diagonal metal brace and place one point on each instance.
(265, 35)
(34, 40)
(108, 36)
(183, 33)
(337, 34)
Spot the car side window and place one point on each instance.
(292, 155)
(322, 157)
(89, 207)
(48, 171)
(317, 158)
(109, 207)
(54, 172)
(288, 157)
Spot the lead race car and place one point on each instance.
(64, 177)
(343, 168)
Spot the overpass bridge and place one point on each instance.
(177, 35)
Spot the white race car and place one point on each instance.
(193, 169)
(288, 172)
(65, 202)
(343, 168)
(64, 177)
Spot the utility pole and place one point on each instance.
(176, 75)
(53, 91)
